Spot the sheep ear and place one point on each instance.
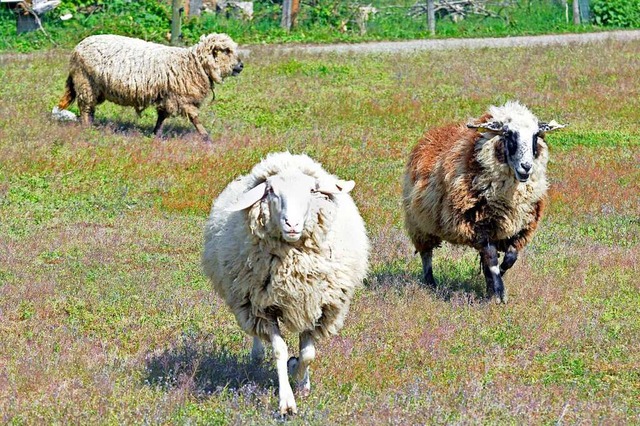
(490, 126)
(249, 198)
(336, 187)
(550, 126)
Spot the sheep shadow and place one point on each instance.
(134, 128)
(204, 371)
(455, 282)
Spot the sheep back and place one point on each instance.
(133, 72)
(457, 188)
(306, 286)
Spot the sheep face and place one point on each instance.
(520, 150)
(520, 131)
(291, 201)
(219, 56)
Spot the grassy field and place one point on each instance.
(106, 318)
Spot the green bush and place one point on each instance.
(617, 13)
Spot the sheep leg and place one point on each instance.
(287, 403)
(257, 352)
(495, 285)
(192, 113)
(162, 115)
(299, 367)
(510, 257)
(87, 115)
(427, 269)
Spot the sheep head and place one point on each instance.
(519, 130)
(218, 54)
(290, 200)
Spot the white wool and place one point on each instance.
(515, 114)
(307, 285)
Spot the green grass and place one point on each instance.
(323, 21)
(106, 318)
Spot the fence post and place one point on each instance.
(431, 17)
(286, 14)
(295, 8)
(175, 21)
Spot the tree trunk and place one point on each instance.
(576, 12)
(431, 17)
(175, 21)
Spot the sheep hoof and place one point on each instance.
(303, 390)
(288, 405)
(501, 299)
(292, 365)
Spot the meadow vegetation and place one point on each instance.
(319, 21)
(106, 317)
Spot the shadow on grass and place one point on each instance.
(456, 281)
(133, 128)
(204, 370)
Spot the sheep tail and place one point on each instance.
(69, 94)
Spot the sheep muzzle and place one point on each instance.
(237, 68)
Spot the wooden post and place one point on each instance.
(295, 8)
(576, 12)
(175, 21)
(431, 17)
(286, 14)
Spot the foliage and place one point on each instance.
(318, 21)
(616, 13)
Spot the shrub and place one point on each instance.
(617, 13)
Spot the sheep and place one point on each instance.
(133, 72)
(285, 246)
(482, 185)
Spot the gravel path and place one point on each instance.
(464, 43)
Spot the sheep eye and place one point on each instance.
(535, 145)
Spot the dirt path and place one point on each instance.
(459, 43)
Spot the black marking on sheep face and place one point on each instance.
(518, 152)
(536, 147)
(511, 141)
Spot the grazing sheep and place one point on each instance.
(483, 185)
(136, 73)
(285, 245)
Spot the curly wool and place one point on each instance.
(133, 72)
(459, 188)
(307, 285)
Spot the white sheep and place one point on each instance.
(136, 73)
(483, 185)
(285, 245)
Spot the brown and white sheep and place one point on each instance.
(482, 185)
(133, 72)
